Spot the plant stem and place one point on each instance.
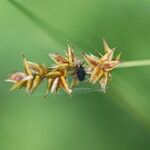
(136, 63)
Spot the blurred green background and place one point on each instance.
(118, 119)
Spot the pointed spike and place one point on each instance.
(118, 57)
(49, 85)
(103, 82)
(90, 59)
(17, 85)
(106, 47)
(54, 85)
(36, 82)
(99, 54)
(29, 85)
(64, 85)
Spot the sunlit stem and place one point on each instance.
(136, 63)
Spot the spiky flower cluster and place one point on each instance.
(98, 69)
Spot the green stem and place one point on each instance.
(136, 63)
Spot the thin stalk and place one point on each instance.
(136, 63)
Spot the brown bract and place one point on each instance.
(67, 62)
(56, 80)
(100, 67)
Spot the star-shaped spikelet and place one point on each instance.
(31, 78)
(64, 66)
(100, 67)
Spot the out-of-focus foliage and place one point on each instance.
(118, 119)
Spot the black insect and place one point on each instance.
(80, 72)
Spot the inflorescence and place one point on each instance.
(97, 68)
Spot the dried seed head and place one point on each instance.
(99, 68)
